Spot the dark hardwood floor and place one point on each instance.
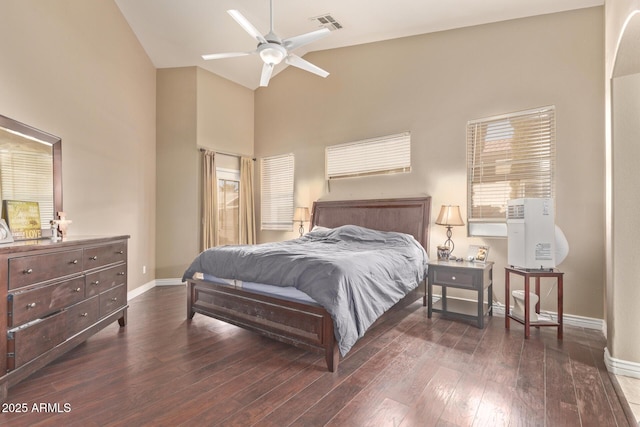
(161, 370)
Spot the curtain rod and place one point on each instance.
(202, 150)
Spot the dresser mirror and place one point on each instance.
(30, 169)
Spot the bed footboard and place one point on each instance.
(303, 325)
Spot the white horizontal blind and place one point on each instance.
(276, 189)
(387, 154)
(28, 176)
(508, 157)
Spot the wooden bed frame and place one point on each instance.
(308, 325)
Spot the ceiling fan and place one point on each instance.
(272, 49)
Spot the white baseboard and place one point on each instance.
(140, 290)
(152, 284)
(169, 282)
(567, 319)
(621, 367)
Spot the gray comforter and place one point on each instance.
(355, 273)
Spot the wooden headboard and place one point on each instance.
(411, 215)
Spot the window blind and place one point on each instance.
(28, 176)
(276, 189)
(387, 154)
(509, 156)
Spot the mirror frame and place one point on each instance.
(56, 149)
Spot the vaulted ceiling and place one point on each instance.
(175, 33)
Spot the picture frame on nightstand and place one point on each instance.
(478, 253)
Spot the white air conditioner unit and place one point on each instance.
(531, 234)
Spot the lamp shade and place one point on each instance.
(301, 214)
(449, 215)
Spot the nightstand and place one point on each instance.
(470, 276)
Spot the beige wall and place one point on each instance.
(196, 109)
(622, 109)
(75, 69)
(177, 174)
(432, 85)
(225, 115)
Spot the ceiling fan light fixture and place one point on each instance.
(272, 49)
(272, 53)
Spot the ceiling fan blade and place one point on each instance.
(248, 27)
(267, 69)
(296, 61)
(225, 55)
(297, 41)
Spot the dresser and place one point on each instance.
(57, 295)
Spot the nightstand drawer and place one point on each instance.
(454, 278)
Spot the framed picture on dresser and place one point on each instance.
(23, 219)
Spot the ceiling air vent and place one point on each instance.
(327, 21)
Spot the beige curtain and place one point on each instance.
(247, 212)
(209, 201)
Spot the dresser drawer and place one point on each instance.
(112, 300)
(454, 278)
(31, 341)
(99, 256)
(82, 315)
(29, 305)
(27, 270)
(108, 278)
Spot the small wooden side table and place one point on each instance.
(537, 275)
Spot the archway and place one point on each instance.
(623, 294)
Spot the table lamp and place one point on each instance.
(301, 214)
(449, 216)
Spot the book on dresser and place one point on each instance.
(57, 295)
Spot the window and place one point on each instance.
(508, 157)
(228, 206)
(28, 176)
(276, 190)
(387, 154)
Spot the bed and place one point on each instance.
(295, 318)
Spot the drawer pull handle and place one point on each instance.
(84, 314)
(75, 261)
(93, 258)
(120, 252)
(32, 305)
(96, 283)
(78, 290)
(121, 273)
(114, 299)
(453, 277)
(28, 271)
